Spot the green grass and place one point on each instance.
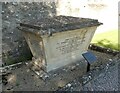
(107, 39)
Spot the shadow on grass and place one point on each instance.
(107, 44)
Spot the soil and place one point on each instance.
(69, 78)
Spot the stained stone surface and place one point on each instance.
(14, 45)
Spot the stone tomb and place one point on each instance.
(58, 41)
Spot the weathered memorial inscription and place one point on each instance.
(71, 44)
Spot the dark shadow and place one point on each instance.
(88, 67)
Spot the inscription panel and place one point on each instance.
(61, 45)
(69, 45)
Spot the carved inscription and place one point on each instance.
(71, 44)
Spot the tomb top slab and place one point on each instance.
(57, 24)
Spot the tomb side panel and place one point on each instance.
(66, 47)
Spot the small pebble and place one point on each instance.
(64, 69)
(90, 77)
(55, 75)
(77, 64)
(44, 76)
(110, 60)
(84, 82)
(72, 88)
(7, 16)
(73, 67)
(16, 15)
(69, 85)
(3, 12)
(37, 73)
(107, 64)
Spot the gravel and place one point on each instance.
(101, 78)
(106, 81)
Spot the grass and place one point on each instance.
(107, 39)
